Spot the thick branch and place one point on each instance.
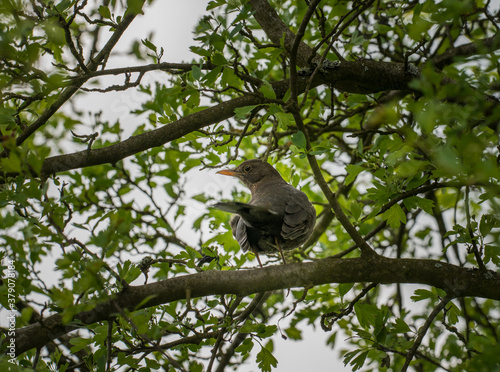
(486, 45)
(456, 281)
(275, 29)
(361, 77)
(147, 140)
(376, 76)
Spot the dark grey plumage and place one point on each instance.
(278, 216)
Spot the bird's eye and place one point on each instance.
(247, 169)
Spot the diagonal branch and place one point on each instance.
(68, 92)
(391, 76)
(366, 250)
(147, 140)
(276, 29)
(423, 330)
(486, 45)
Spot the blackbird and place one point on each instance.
(278, 217)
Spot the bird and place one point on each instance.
(277, 218)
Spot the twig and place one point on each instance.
(90, 138)
(366, 250)
(109, 342)
(240, 337)
(327, 325)
(475, 250)
(156, 346)
(94, 256)
(423, 330)
(68, 92)
(222, 332)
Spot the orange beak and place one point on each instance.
(228, 172)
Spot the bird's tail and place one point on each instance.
(242, 208)
(232, 207)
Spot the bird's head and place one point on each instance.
(254, 173)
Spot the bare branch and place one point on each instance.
(423, 330)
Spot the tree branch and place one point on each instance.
(276, 29)
(145, 141)
(68, 92)
(486, 45)
(423, 330)
(363, 77)
(386, 76)
(456, 281)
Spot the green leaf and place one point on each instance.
(426, 205)
(211, 77)
(394, 216)
(422, 294)
(266, 361)
(7, 115)
(381, 28)
(414, 202)
(194, 99)
(352, 172)
(11, 164)
(215, 4)
(344, 288)
(356, 209)
(356, 362)
(241, 112)
(400, 326)
(453, 313)
(318, 150)
(488, 222)
(244, 14)
(135, 6)
(229, 78)
(299, 139)
(284, 119)
(196, 71)
(293, 333)
(236, 29)
(267, 90)
(79, 343)
(148, 44)
(245, 347)
(366, 314)
(219, 59)
(200, 51)
(418, 28)
(63, 5)
(104, 12)
(249, 328)
(492, 253)
(154, 365)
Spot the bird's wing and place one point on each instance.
(253, 215)
(240, 232)
(296, 217)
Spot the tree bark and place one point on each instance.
(456, 281)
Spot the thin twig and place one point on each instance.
(327, 325)
(475, 249)
(423, 330)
